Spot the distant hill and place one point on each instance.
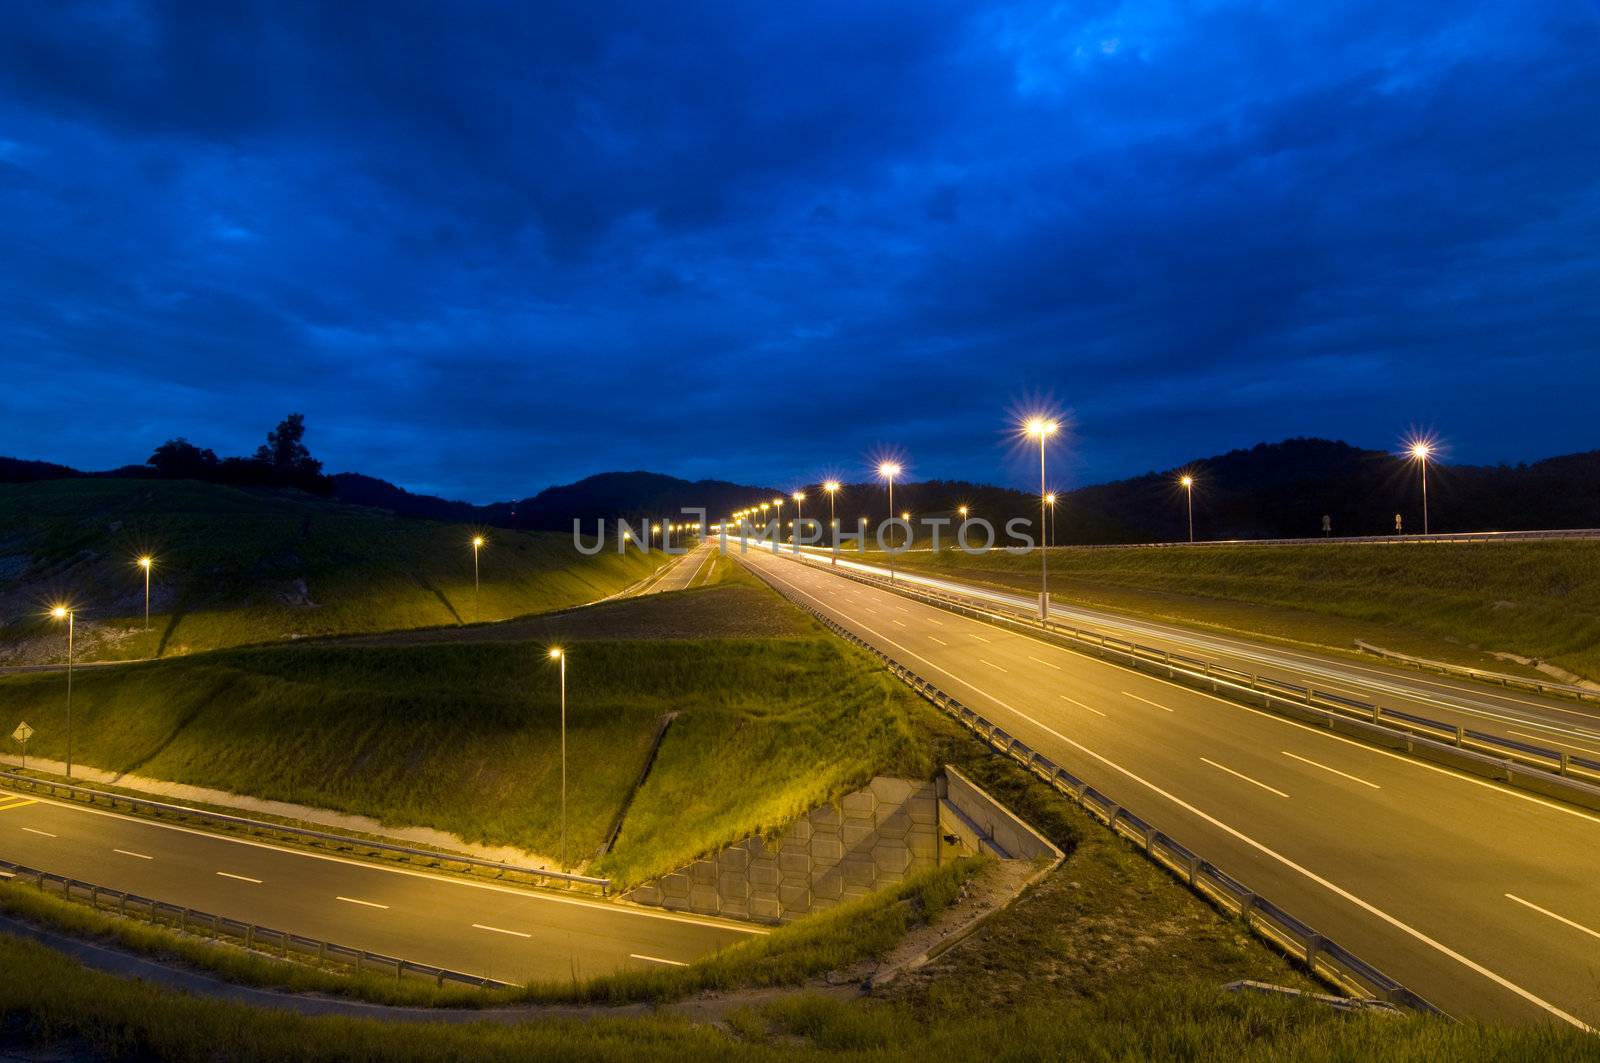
(630, 495)
(1276, 490)
(1271, 490)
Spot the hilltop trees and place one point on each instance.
(282, 461)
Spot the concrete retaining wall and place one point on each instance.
(983, 824)
(875, 837)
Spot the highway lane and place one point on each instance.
(501, 932)
(1412, 866)
(1520, 716)
(684, 573)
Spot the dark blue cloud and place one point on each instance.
(488, 247)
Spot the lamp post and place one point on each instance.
(1421, 451)
(557, 655)
(1042, 429)
(67, 613)
(889, 470)
(1188, 489)
(1050, 500)
(146, 562)
(477, 544)
(832, 487)
(794, 540)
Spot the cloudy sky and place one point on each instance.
(486, 248)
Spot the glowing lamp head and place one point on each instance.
(905, 516)
(555, 653)
(477, 541)
(799, 496)
(889, 470)
(1050, 499)
(145, 562)
(655, 527)
(1040, 427)
(961, 510)
(831, 486)
(1187, 481)
(1420, 451)
(777, 501)
(60, 612)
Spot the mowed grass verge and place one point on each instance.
(1537, 599)
(466, 737)
(236, 566)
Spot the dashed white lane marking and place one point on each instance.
(1047, 664)
(130, 852)
(498, 930)
(991, 664)
(1242, 775)
(1147, 701)
(1266, 850)
(1336, 771)
(240, 878)
(656, 959)
(366, 904)
(1558, 918)
(1081, 705)
(941, 642)
(32, 830)
(892, 620)
(980, 638)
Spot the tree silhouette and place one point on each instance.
(179, 459)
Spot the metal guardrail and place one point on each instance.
(343, 842)
(1296, 938)
(251, 935)
(1552, 772)
(1517, 682)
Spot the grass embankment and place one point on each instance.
(1444, 600)
(240, 566)
(465, 737)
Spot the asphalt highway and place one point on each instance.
(1519, 716)
(1481, 898)
(500, 932)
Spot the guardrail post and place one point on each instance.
(1566, 763)
(1461, 734)
(250, 936)
(1313, 947)
(1376, 712)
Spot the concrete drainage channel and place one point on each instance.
(1295, 938)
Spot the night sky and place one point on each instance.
(486, 248)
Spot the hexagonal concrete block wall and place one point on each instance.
(874, 837)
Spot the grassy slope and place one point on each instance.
(465, 736)
(1536, 599)
(237, 566)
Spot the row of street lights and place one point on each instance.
(1041, 428)
(69, 613)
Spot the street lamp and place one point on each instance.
(1188, 489)
(67, 613)
(799, 497)
(1050, 500)
(557, 655)
(477, 544)
(146, 562)
(1042, 428)
(1421, 450)
(832, 487)
(889, 470)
